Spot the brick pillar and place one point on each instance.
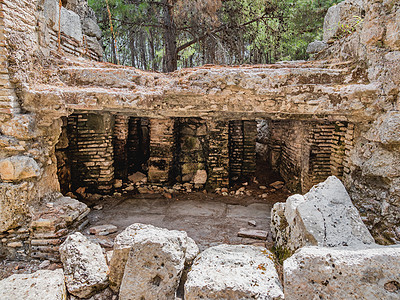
(91, 151)
(193, 147)
(235, 149)
(121, 131)
(249, 148)
(218, 156)
(133, 144)
(161, 150)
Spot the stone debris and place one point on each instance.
(103, 229)
(252, 223)
(45, 264)
(325, 216)
(138, 177)
(85, 266)
(343, 273)
(118, 184)
(277, 185)
(200, 178)
(48, 228)
(233, 272)
(148, 261)
(106, 294)
(43, 285)
(253, 234)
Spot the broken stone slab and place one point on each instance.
(85, 266)
(362, 272)
(148, 261)
(233, 272)
(103, 229)
(138, 177)
(43, 285)
(253, 234)
(325, 216)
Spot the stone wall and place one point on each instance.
(372, 173)
(80, 34)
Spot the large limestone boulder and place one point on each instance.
(43, 285)
(233, 272)
(325, 216)
(343, 273)
(18, 168)
(85, 266)
(148, 262)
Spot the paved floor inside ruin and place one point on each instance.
(209, 219)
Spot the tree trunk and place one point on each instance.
(171, 55)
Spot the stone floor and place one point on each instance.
(209, 219)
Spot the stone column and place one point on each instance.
(121, 131)
(161, 150)
(218, 156)
(92, 151)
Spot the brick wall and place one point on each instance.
(306, 153)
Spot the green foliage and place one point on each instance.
(224, 32)
(281, 254)
(349, 28)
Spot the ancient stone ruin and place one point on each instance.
(72, 125)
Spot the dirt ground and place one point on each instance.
(209, 219)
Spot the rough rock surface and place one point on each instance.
(85, 266)
(18, 168)
(233, 272)
(325, 216)
(43, 285)
(340, 15)
(343, 273)
(148, 261)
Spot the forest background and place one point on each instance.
(165, 35)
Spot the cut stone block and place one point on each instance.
(233, 272)
(325, 216)
(85, 266)
(343, 273)
(148, 262)
(253, 234)
(43, 285)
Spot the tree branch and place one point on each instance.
(216, 30)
